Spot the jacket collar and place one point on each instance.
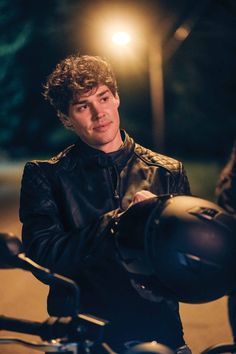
(96, 158)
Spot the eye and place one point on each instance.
(104, 98)
(81, 108)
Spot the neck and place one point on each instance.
(111, 146)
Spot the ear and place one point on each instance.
(65, 120)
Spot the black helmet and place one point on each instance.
(181, 247)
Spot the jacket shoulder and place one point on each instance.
(154, 158)
(57, 158)
(51, 165)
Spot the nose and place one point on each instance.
(97, 112)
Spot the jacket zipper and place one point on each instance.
(115, 184)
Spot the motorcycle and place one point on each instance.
(75, 334)
(198, 237)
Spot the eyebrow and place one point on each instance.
(86, 101)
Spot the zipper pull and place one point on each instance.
(116, 195)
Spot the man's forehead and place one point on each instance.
(94, 91)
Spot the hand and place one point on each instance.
(142, 195)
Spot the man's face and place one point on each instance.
(95, 119)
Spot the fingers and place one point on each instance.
(142, 195)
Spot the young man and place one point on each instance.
(68, 204)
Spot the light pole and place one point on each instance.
(155, 70)
(157, 93)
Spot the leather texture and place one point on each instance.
(67, 208)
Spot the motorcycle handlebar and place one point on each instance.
(53, 347)
(22, 326)
(82, 326)
(69, 328)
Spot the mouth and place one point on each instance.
(102, 127)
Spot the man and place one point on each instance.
(69, 202)
(226, 194)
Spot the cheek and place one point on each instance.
(79, 122)
(81, 127)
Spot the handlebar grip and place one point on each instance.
(57, 327)
(53, 327)
(22, 326)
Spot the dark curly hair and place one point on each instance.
(76, 75)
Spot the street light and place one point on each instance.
(121, 38)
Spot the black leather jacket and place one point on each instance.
(67, 206)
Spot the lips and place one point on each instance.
(102, 127)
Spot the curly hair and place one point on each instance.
(76, 75)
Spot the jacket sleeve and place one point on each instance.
(226, 186)
(44, 238)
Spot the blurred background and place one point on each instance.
(176, 70)
(197, 41)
